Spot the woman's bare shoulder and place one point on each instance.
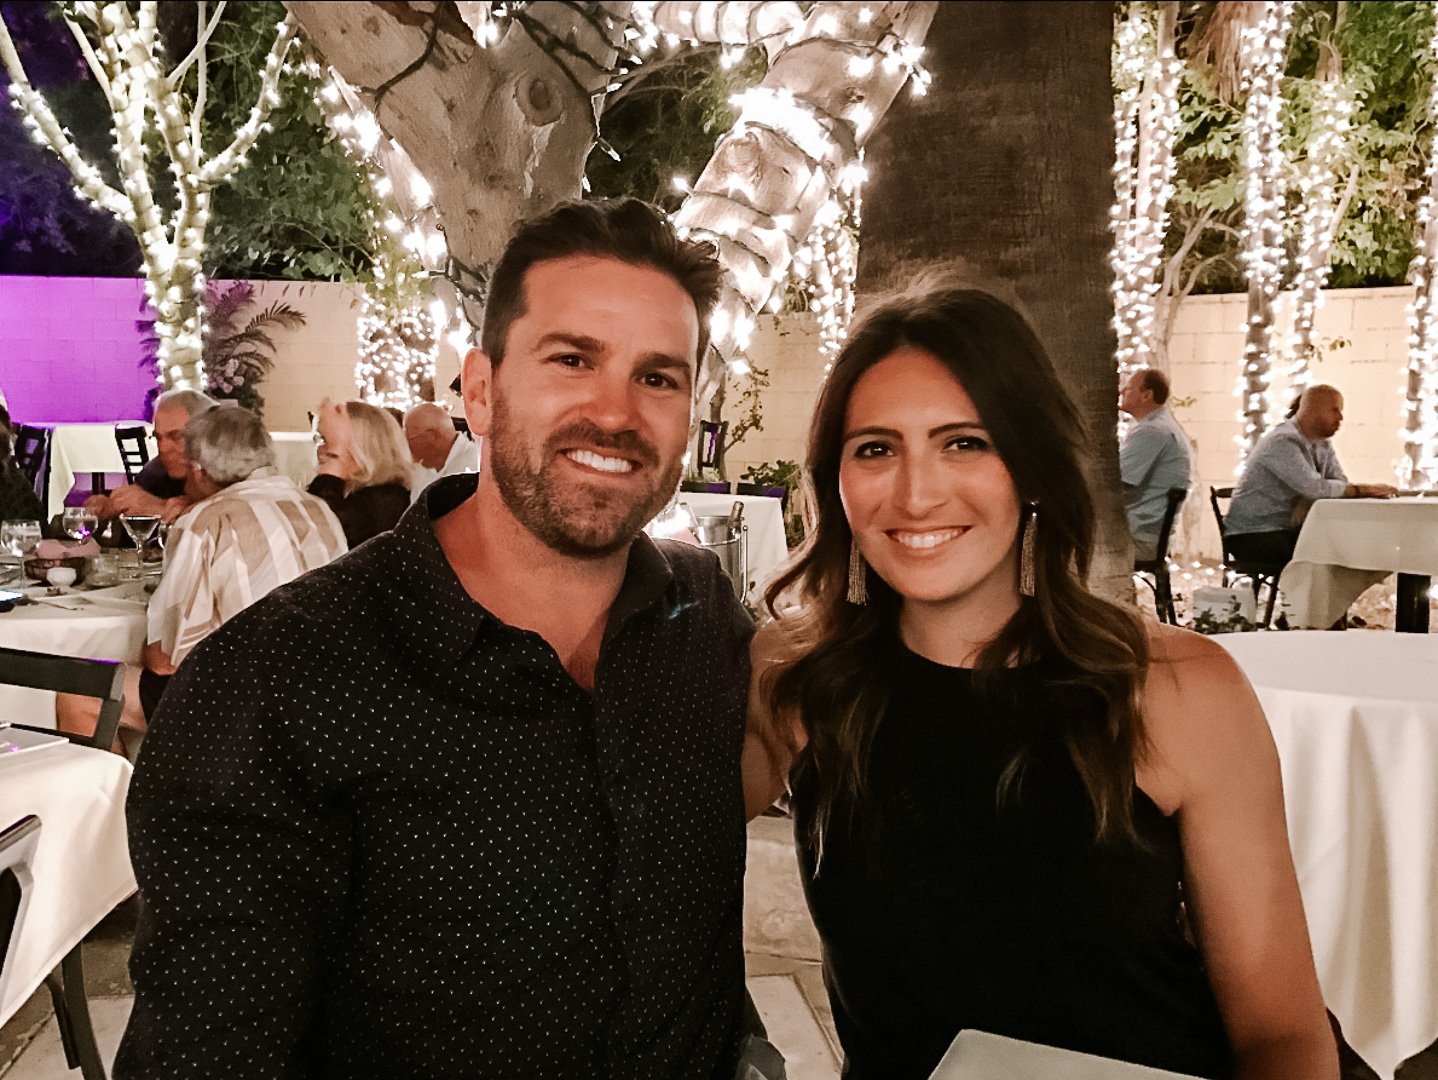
(1201, 717)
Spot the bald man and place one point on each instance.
(436, 447)
(1292, 467)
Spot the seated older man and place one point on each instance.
(436, 447)
(251, 530)
(160, 486)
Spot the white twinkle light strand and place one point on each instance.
(1418, 467)
(399, 334)
(781, 195)
(1146, 76)
(1321, 209)
(146, 109)
(1264, 52)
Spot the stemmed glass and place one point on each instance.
(79, 523)
(18, 538)
(140, 527)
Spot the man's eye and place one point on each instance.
(660, 381)
(570, 360)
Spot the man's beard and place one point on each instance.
(571, 517)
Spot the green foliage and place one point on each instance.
(1386, 69)
(299, 209)
(785, 474)
(665, 121)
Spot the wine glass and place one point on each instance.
(79, 523)
(18, 537)
(140, 527)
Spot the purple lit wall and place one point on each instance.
(69, 351)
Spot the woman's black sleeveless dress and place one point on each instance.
(941, 909)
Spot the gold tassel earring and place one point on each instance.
(1026, 551)
(858, 585)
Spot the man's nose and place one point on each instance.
(613, 403)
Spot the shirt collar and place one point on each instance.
(444, 620)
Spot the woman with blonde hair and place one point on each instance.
(364, 468)
(1019, 807)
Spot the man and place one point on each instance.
(436, 447)
(160, 486)
(1154, 459)
(250, 530)
(467, 802)
(1291, 468)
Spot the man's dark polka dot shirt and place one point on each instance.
(380, 833)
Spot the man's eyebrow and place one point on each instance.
(582, 342)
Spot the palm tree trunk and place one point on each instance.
(1005, 169)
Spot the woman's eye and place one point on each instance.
(969, 442)
(870, 450)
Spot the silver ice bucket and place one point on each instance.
(728, 537)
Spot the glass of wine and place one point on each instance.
(140, 527)
(79, 523)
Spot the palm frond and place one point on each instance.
(1215, 48)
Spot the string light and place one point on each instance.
(400, 323)
(803, 228)
(1420, 372)
(1320, 207)
(1264, 48)
(1146, 76)
(147, 109)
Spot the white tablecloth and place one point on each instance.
(82, 864)
(295, 455)
(80, 449)
(110, 625)
(1355, 717)
(1346, 545)
(765, 518)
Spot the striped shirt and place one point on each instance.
(226, 552)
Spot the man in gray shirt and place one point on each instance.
(1154, 459)
(1291, 468)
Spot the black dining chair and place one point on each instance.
(1259, 573)
(18, 844)
(103, 679)
(32, 457)
(1158, 565)
(134, 450)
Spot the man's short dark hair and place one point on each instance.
(624, 229)
(1155, 382)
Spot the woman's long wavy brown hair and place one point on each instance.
(838, 685)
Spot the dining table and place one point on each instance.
(1347, 545)
(79, 450)
(81, 864)
(98, 624)
(1354, 715)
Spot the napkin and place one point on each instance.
(59, 549)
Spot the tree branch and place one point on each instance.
(87, 177)
(221, 166)
(198, 52)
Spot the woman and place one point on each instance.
(364, 468)
(1017, 805)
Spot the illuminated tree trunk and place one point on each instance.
(1005, 169)
(148, 110)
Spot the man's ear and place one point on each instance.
(477, 390)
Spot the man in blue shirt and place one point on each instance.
(1154, 459)
(1291, 468)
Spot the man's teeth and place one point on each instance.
(595, 461)
(925, 540)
